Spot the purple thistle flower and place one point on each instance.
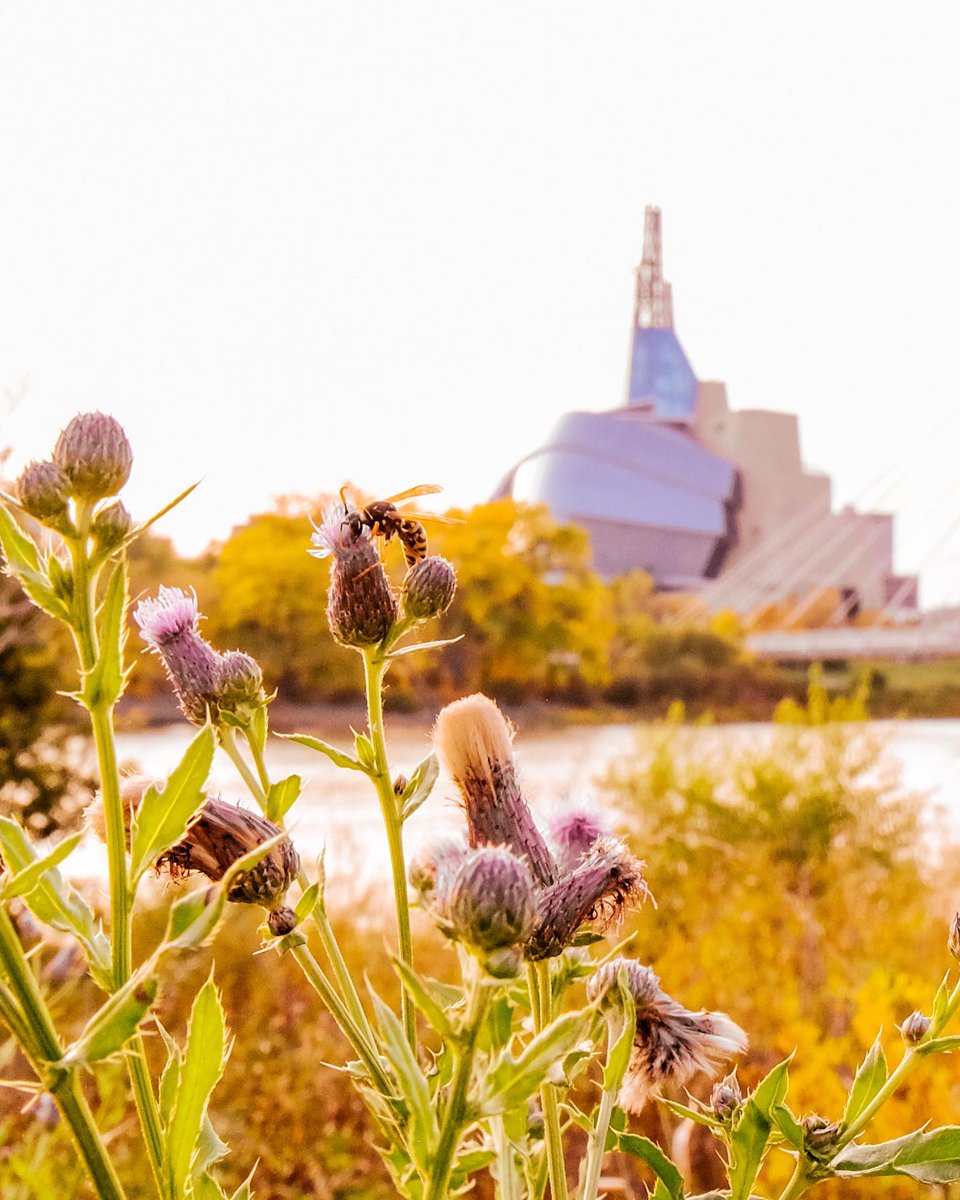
(361, 606)
(598, 889)
(572, 834)
(168, 624)
(429, 588)
(474, 743)
(672, 1044)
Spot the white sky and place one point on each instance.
(291, 244)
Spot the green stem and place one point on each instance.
(507, 1179)
(374, 668)
(259, 791)
(799, 1181)
(455, 1116)
(541, 1001)
(115, 821)
(340, 1013)
(598, 1144)
(42, 1047)
(228, 740)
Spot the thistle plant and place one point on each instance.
(548, 1040)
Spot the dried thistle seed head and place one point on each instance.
(599, 890)
(604, 985)
(491, 903)
(111, 525)
(223, 833)
(132, 788)
(474, 744)
(361, 606)
(95, 455)
(168, 624)
(726, 1097)
(429, 588)
(573, 832)
(44, 491)
(915, 1028)
(953, 941)
(672, 1044)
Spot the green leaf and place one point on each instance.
(748, 1145)
(698, 1116)
(656, 1160)
(282, 796)
(308, 901)
(941, 999)
(365, 752)
(419, 786)
(515, 1080)
(24, 563)
(789, 1126)
(338, 757)
(421, 995)
(26, 880)
(103, 683)
(870, 1078)
(205, 1187)
(424, 646)
(245, 1190)
(621, 1041)
(170, 1077)
(413, 1085)
(931, 1158)
(113, 1025)
(54, 902)
(203, 1062)
(164, 816)
(210, 1147)
(943, 1045)
(772, 1089)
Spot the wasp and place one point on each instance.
(384, 519)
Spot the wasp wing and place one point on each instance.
(422, 489)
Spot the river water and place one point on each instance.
(338, 809)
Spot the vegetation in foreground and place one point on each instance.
(522, 1068)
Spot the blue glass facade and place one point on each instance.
(661, 378)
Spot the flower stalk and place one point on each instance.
(375, 664)
(541, 1003)
(26, 1013)
(456, 1117)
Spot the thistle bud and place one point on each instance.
(953, 941)
(44, 491)
(432, 869)
(474, 743)
(573, 833)
(726, 1097)
(94, 453)
(361, 606)
(491, 903)
(599, 889)
(915, 1028)
(222, 833)
(111, 525)
(239, 686)
(168, 624)
(819, 1134)
(429, 588)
